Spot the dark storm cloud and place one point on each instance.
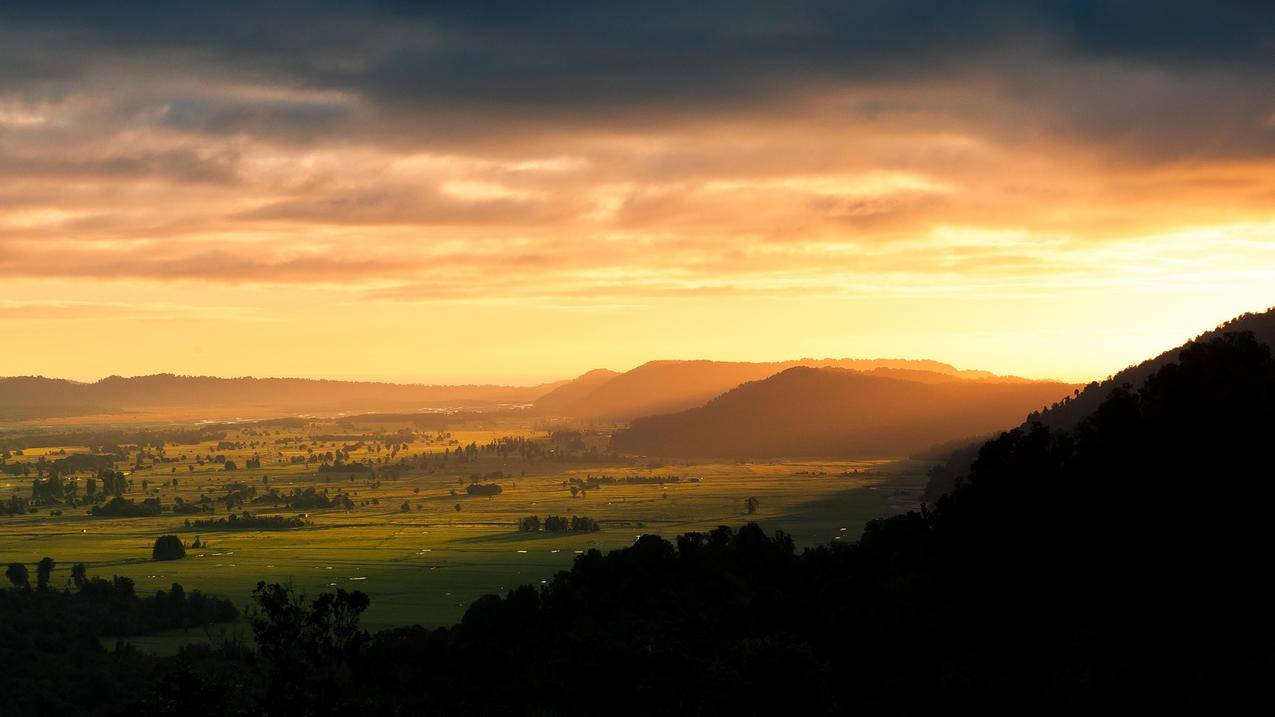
(498, 66)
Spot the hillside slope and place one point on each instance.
(807, 411)
(573, 391)
(1068, 413)
(667, 386)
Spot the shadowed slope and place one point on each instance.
(574, 390)
(1068, 413)
(835, 412)
(668, 386)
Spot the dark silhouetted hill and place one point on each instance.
(807, 411)
(1067, 414)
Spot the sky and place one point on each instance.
(514, 192)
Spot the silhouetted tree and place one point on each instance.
(43, 571)
(18, 575)
(168, 547)
(78, 575)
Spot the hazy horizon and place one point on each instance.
(1152, 346)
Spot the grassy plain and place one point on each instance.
(427, 564)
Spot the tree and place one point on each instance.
(43, 571)
(18, 575)
(751, 504)
(79, 575)
(168, 547)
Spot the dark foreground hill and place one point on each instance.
(837, 412)
(667, 386)
(1069, 412)
(39, 397)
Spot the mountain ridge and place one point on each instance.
(25, 396)
(831, 411)
(669, 385)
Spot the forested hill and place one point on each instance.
(35, 397)
(807, 411)
(1109, 569)
(1070, 412)
(667, 386)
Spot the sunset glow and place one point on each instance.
(419, 196)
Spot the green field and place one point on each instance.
(425, 566)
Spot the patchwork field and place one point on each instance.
(414, 538)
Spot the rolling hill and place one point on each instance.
(573, 391)
(668, 386)
(806, 411)
(39, 397)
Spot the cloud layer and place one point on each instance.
(652, 157)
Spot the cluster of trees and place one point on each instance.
(558, 524)
(311, 499)
(484, 489)
(574, 524)
(181, 506)
(52, 659)
(248, 521)
(124, 508)
(113, 607)
(113, 483)
(52, 490)
(342, 467)
(16, 505)
(591, 482)
(238, 493)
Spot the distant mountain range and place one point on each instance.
(39, 397)
(825, 411)
(599, 396)
(668, 386)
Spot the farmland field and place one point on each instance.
(414, 538)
